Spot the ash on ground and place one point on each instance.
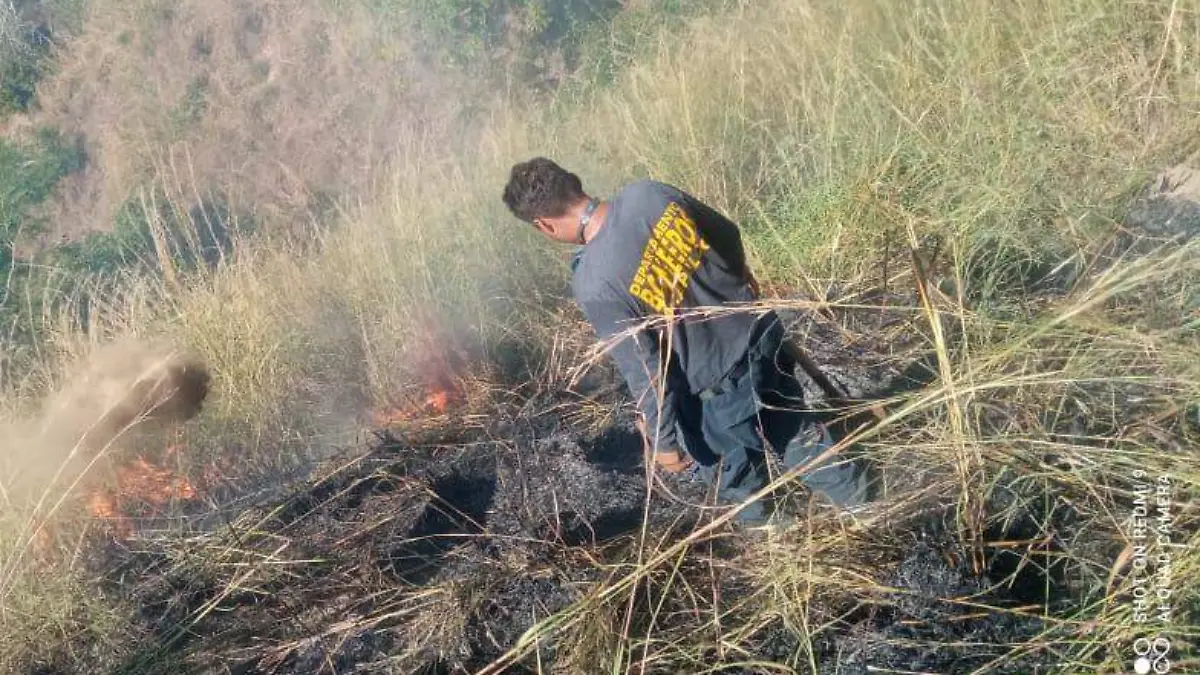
(436, 552)
(438, 558)
(439, 551)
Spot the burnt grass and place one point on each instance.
(435, 551)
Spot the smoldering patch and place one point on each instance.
(125, 393)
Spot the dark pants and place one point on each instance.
(724, 429)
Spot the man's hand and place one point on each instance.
(752, 281)
(673, 460)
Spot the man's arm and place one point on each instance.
(723, 235)
(639, 358)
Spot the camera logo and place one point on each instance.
(1151, 656)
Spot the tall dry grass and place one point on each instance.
(274, 107)
(1017, 131)
(1003, 126)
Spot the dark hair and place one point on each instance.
(539, 188)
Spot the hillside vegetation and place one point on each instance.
(306, 195)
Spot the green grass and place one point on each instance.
(22, 59)
(837, 133)
(28, 31)
(28, 173)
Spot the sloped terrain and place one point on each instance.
(516, 532)
(436, 550)
(305, 197)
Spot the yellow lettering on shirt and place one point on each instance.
(669, 259)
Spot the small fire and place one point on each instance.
(152, 484)
(438, 364)
(143, 482)
(103, 505)
(438, 401)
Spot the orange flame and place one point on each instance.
(439, 365)
(152, 484)
(437, 402)
(103, 505)
(141, 481)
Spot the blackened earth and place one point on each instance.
(436, 552)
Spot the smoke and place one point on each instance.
(126, 390)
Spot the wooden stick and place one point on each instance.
(832, 391)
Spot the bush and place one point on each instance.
(193, 238)
(541, 42)
(535, 40)
(23, 51)
(68, 279)
(28, 174)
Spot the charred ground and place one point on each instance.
(436, 551)
(491, 539)
(836, 134)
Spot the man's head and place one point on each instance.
(547, 195)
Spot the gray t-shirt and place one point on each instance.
(663, 253)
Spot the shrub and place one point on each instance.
(28, 174)
(535, 40)
(23, 51)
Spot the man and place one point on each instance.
(661, 274)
